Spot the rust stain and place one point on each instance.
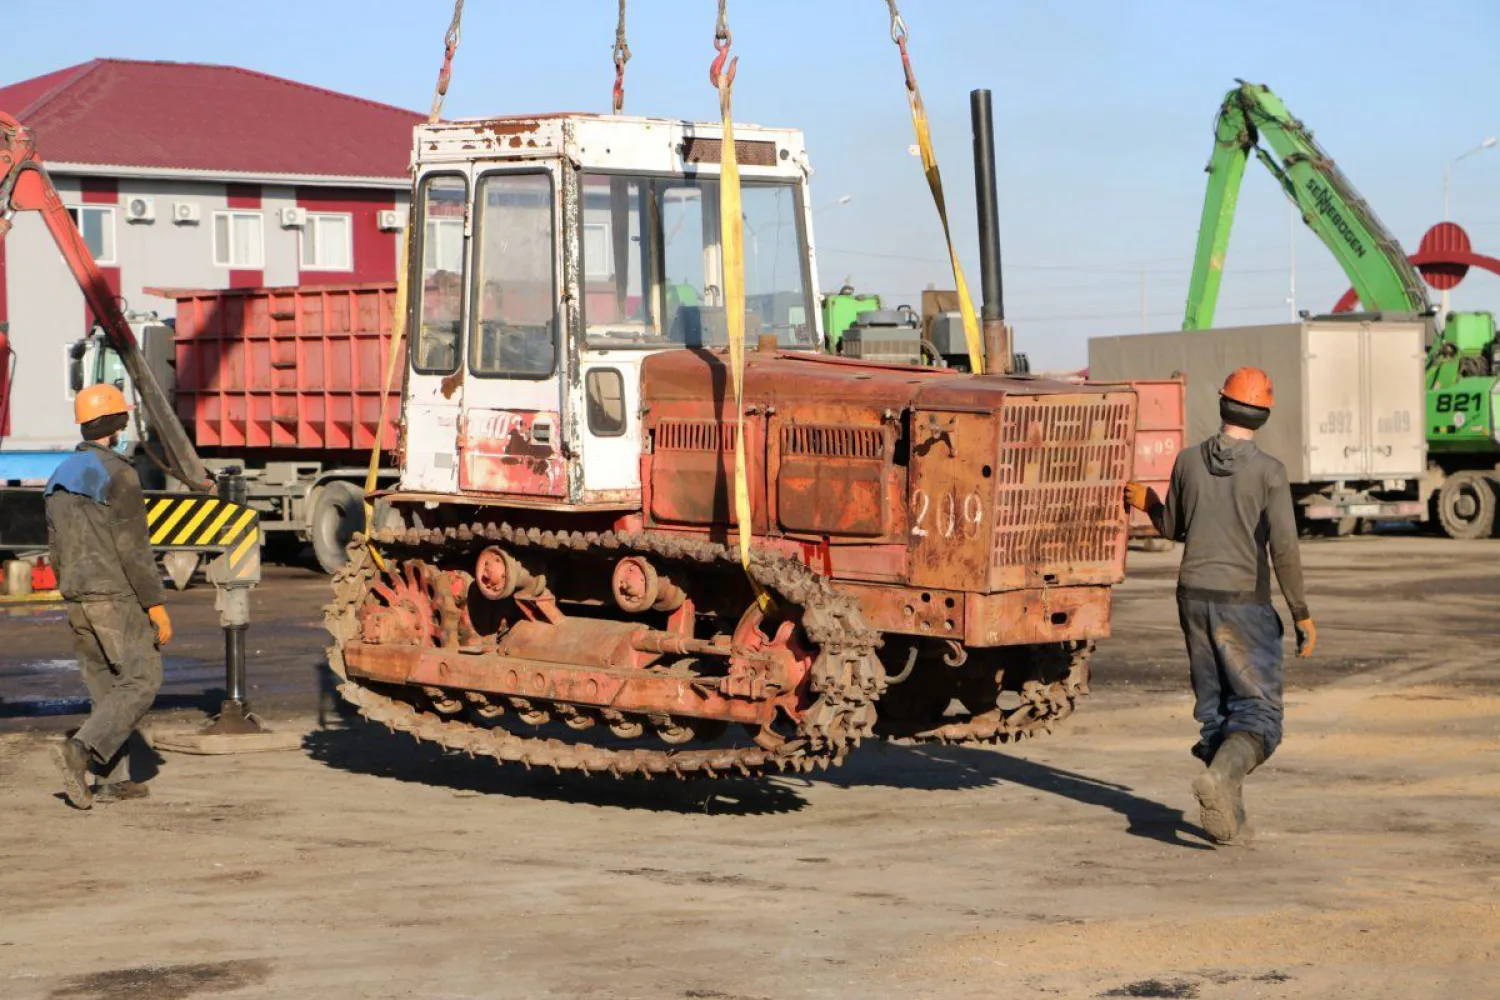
(452, 384)
(515, 127)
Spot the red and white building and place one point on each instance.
(183, 175)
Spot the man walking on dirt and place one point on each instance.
(96, 527)
(1229, 503)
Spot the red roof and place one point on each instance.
(191, 116)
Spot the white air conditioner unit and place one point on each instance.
(390, 219)
(139, 208)
(293, 218)
(185, 213)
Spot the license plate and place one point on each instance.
(1364, 510)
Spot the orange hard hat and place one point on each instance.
(97, 401)
(1250, 386)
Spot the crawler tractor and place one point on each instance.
(932, 552)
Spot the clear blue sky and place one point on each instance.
(1104, 110)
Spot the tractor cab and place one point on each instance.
(553, 254)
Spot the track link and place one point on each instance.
(1042, 704)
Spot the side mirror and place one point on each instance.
(76, 355)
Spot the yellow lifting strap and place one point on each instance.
(732, 240)
(392, 363)
(935, 181)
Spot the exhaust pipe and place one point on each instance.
(997, 347)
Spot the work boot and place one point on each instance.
(73, 760)
(118, 791)
(1220, 789)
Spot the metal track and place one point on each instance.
(1042, 704)
(846, 675)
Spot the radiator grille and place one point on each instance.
(833, 442)
(694, 435)
(1061, 467)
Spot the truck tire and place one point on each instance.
(338, 512)
(1466, 506)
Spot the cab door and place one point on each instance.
(435, 381)
(511, 430)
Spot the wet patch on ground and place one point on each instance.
(163, 982)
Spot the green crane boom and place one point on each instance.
(1376, 265)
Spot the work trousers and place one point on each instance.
(116, 649)
(1236, 659)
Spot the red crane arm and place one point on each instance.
(26, 187)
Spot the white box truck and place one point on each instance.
(1348, 422)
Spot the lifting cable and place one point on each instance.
(732, 241)
(398, 316)
(450, 48)
(392, 363)
(622, 56)
(899, 35)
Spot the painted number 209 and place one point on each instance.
(951, 515)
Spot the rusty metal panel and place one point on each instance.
(692, 471)
(937, 613)
(949, 509)
(1063, 614)
(512, 451)
(1060, 470)
(831, 479)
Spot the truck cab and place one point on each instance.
(92, 361)
(554, 254)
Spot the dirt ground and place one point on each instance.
(364, 865)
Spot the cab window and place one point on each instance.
(515, 300)
(439, 306)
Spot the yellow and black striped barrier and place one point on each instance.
(205, 523)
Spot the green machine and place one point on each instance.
(1462, 370)
(841, 310)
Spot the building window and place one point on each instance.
(238, 240)
(443, 250)
(598, 255)
(97, 224)
(328, 243)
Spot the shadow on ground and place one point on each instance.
(348, 742)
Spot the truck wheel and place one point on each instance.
(338, 512)
(1466, 506)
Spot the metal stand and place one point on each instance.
(235, 729)
(235, 717)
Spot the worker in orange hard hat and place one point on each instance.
(1231, 506)
(96, 528)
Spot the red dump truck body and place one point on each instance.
(299, 371)
(1160, 433)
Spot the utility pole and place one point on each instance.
(1447, 191)
(1292, 263)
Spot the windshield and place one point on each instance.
(653, 263)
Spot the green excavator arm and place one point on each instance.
(1376, 265)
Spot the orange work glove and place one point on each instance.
(1307, 637)
(1140, 496)
(161, 623)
